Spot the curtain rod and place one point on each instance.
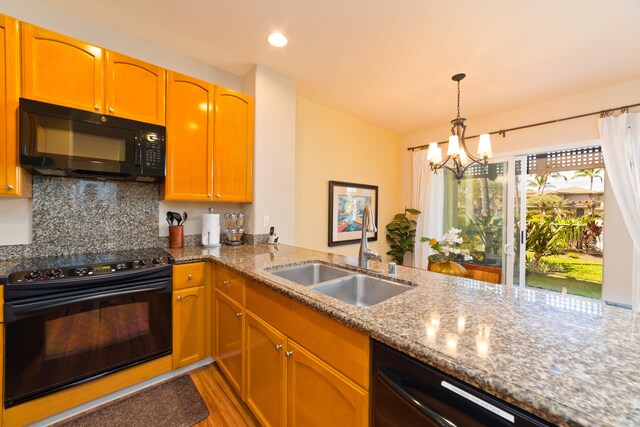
(503, 132)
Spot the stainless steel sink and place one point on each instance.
(361, 290)
(310, 274)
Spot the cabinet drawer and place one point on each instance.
(230, 283)
(188, 275)
(340, 346)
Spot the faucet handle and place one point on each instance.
(372, 255)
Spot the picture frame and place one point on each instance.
(346, 205)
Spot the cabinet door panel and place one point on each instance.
(61, 70)
(14, 181)
(189, 139)
(188, 326)
(135, 89)
(233, 146)
(320, 396)
(266, 372)
(229, 348)
(230, 283)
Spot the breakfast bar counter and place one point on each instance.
(568, 360)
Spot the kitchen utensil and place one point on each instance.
(184, 217)
(177, 217)
(170, 218)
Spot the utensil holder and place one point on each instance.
(176, 236)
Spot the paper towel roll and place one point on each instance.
(210, 230)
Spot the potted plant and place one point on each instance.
(401, 235)
(444, 253)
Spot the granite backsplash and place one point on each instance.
(71, 215)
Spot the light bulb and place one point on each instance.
(277, 40)
(454, 146)
(484, 146)
(434, 155)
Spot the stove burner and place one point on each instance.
(46, 270)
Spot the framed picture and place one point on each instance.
(346, 205)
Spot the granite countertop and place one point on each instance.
(572, 361)
(569, 360)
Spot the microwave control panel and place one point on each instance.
(153, 150)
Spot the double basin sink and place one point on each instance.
(348, 286)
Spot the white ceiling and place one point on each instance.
(390, 62)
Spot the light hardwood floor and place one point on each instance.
(225, 407)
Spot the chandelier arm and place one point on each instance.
(441, 163)
(475, 162)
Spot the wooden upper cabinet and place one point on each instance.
(14, 181)
(189, 138)
(233, 146)
(134, 89)
(61, 70)
(64, 71)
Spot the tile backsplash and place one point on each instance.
(76, 216)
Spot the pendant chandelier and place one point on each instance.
(459, 159)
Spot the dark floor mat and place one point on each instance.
(173, 403)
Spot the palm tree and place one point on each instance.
(540, 182)
(592, 174)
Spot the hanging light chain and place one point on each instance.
(458, 99)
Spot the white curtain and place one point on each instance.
(427, 195)
(621, 151)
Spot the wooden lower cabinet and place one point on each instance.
(188, 326)
(266, 372)
(318, 395)
(229, 340)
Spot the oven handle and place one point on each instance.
(37, 307)
(396, 385)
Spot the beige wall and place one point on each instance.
(331, 146)
(584, 131)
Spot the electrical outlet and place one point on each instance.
(265, 220)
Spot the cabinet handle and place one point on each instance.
(225, 282)
(8, 187)
(288, 353)
(278, 346)
(179, 297)
(96, 107)
(239, 314)
(111, 110)
(218, 196)
(190, 277)
(210, 196)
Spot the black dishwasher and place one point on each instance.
(409, 393)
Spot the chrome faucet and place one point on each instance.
(368, 224)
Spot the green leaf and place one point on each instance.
(399, 217)
(413, 211)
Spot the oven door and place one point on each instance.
(63, 340)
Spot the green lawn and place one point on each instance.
(580, 276)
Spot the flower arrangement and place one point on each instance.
(447, 249)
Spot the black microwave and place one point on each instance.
(61, 141)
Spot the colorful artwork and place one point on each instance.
(350, 210)
(346, 206)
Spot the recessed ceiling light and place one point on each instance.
(277, 40)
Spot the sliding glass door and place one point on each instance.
(478, 206)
